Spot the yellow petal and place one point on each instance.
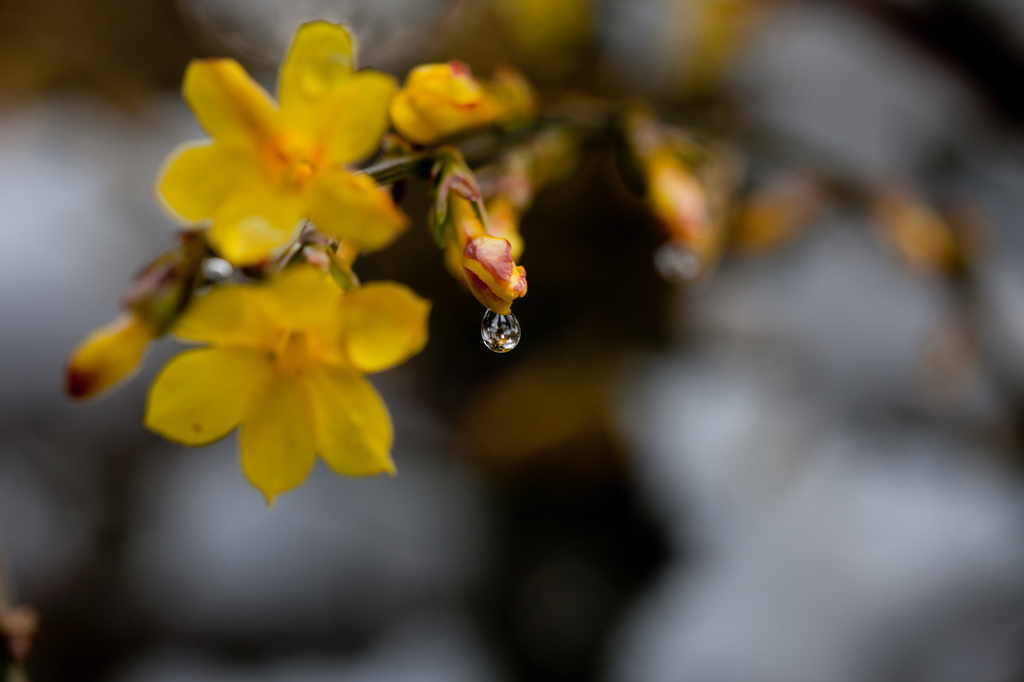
(229, 315)
(107, 356)
(357, 117)
(253, 315)
(384, 324)
(304, 297)
(198, 178)
(200, 395)
(353, 207)
(251, 227)
(230, 105)
(249, 240)
(277, 439)
(321, 58)
(321, 95)
(353, 429)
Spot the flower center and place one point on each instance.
(292, 352)
(290, 161)
(300, 173)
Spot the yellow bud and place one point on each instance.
(108, 355)
(439, 100)
(677, 199)
(492, 275)
(466, 226)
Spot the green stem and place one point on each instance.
(418, 164)
(401, 168)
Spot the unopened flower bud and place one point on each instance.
(465, 226)
(162, 289)
(153, 302)
(492, 274)
(108, 355)
(439, 100)
(677, 199)
(474, 253)
(455, 192)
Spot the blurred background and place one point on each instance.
(804, 467)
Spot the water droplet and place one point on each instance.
(217, 270)
(676, 263)
(500, 332)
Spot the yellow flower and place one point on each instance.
(269, 168)
(109, 355)
(285, 361)
(439, 100)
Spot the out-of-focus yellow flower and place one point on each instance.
(269, 168)
(109, 355)
(439, 100)
(700, 38)
(514, 95)
(558, 404)
(503, 221)
(552, 34)
(775, 214)
(917, 232)
(554, 155)
(285, 361)
(677, 198)
(689, 191)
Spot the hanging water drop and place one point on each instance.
(676, 263)
(500, 332)
(217, 270)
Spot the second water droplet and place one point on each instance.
(217, 270)
(676, 263)
(500, 332)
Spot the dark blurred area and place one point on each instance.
(805, 467)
